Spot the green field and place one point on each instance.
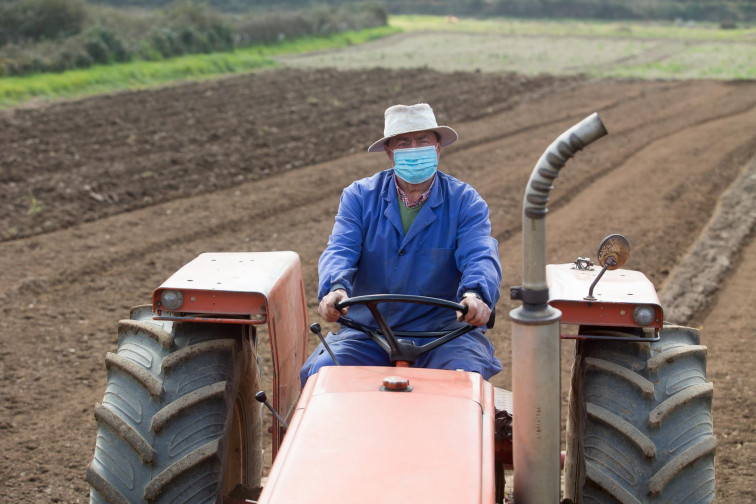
(574, 28)
(597, 49)
(140, 74)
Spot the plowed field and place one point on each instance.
(101, 199)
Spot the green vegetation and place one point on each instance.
(601, 49)
(718, 11)
(34, 206)
(58, 35)
(40, 20)
(138, 74)
(576, 28)
(595, 48)
(703, 61)
(698, 10)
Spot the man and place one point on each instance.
(411, 230)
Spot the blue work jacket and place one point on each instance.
(447, 251)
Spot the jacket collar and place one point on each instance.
(427, 214)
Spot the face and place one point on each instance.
(425, 138)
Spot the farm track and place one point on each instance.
(258, 163)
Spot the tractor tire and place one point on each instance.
(639, 427)
(178, 422)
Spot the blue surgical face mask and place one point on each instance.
(416, 164)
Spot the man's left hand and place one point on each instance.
(478, 312)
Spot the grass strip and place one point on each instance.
(141, 74)
(601, 49)
(575, 28)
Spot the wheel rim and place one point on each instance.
(237, 456)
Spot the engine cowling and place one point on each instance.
(352, 439)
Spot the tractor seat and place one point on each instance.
(503, 426)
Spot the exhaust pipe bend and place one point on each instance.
(535, 333)
(534, 290)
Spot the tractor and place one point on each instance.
(181, 417)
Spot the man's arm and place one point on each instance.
(477, 258)
(337, 266)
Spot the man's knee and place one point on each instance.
(484, 367)
(317, 360)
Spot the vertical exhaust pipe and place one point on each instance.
(535, 333)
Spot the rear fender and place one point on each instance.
(251, 288)
(615, 297)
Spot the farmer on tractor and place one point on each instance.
(410, 230)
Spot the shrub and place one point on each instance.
(83, 60)
(186, 27)
(199, 28)
(148, 52)
(222, 37)
(66, 61)
(98, 51)
(377, 11)
(41, 20)
(188, 13)
(164, 41)
(321, 20)
(114, 44)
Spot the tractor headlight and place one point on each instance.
(644, 315)
(171, 299)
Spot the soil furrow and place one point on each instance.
(674, 149)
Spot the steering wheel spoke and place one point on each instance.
(385, 337)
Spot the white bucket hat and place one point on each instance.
(409, 118)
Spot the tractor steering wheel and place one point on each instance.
(397, 349)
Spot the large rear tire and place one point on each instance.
(178, 421)
(639, 428)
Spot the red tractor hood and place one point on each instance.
(349, 441)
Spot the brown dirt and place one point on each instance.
(101, 199)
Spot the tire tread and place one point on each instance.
(192, 399)
(163, 337)
(678, 400)
(639, 425)
(702, 448)
(104, 488)
(608, 485)
(146, 379)
(106, 416)
(672, 354)
(164, 419)
(189, 352)
(183, 465)
(622, 373)
(643, 442)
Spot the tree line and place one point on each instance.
(59, 35)
(698, 10)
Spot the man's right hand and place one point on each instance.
(327, 308)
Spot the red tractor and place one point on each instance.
(181, 420)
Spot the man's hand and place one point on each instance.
(327, 308)
(478, 312)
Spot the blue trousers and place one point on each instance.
(469, 352)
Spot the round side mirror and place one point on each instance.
(613, 251)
